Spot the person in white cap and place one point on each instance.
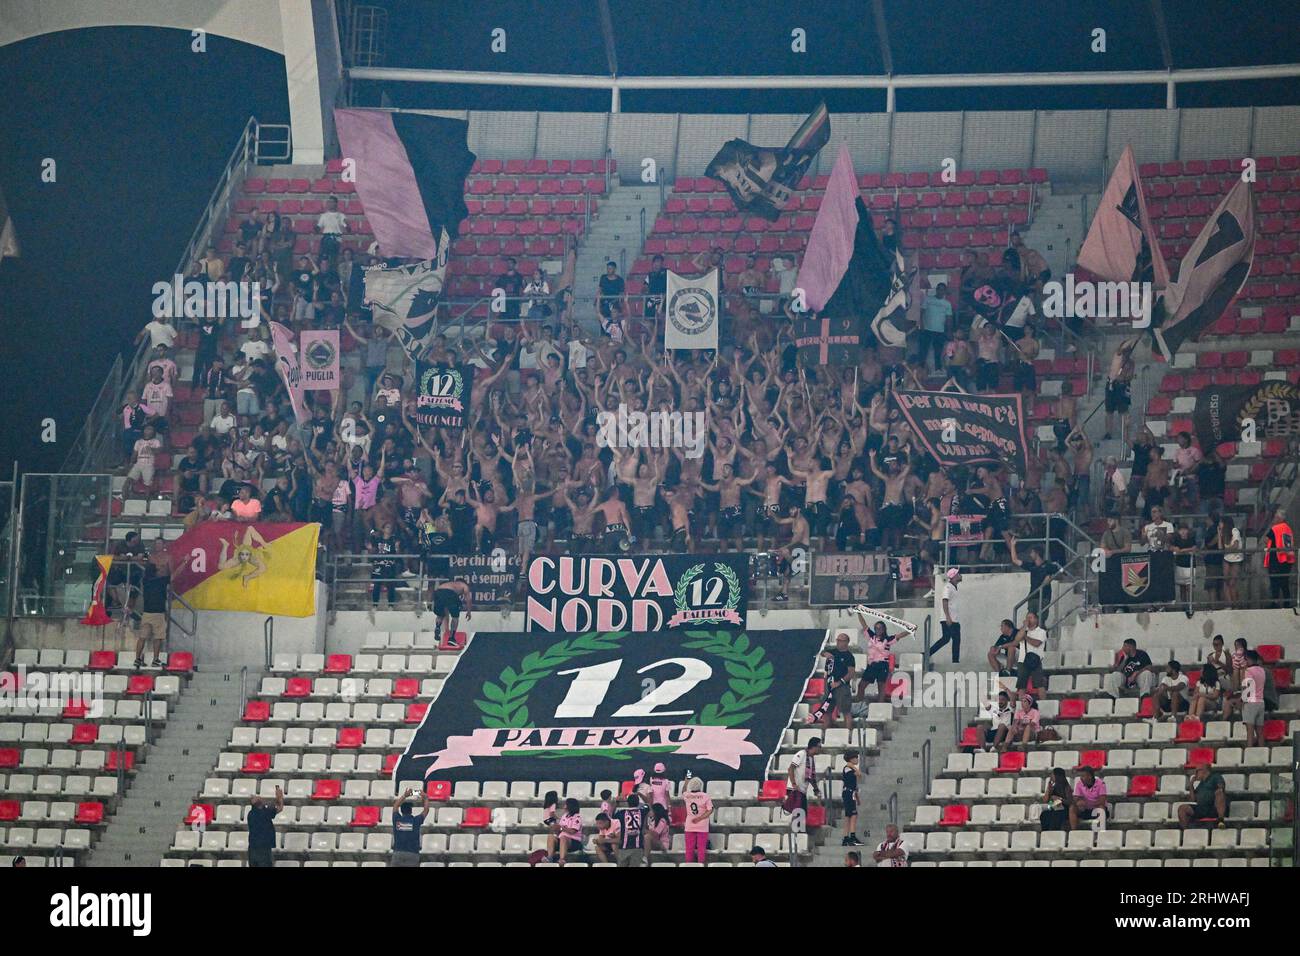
(950, 624)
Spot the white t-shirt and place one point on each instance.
(1002, 715)
(578, 354)
(1038, 634)
(332, 222)
(157, 395)
(222, 425)
(1234, 542)
(160, 333)
(899, 844)
(1157, 535)
(950, 595)
(1179, 681)
(255, 349)
(146, 448)
(799, 763)
(1023, 310)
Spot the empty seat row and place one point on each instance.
(1088, 841)
(88, 734)
(76, 660)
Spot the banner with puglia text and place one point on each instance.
(548, 706)
(262, 568)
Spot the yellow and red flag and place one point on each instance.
(265, 568)
(97, 615)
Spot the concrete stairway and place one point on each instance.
(165, 785)
(898, 770)
(615, 234)
(1058, 229)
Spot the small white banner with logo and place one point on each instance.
(691, 312)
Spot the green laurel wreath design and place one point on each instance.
(751, 676)
(693, 572)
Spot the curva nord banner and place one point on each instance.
(959, 429)
(642, 593)
(546, 706)
(442, 394)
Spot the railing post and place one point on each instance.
(121, 767)
(892, 804)
(148, 717)
(243, 689)
(268, 638)
(925, 769)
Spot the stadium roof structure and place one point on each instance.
(875, 54)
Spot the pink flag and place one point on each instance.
(1121, 245)
(830, 247)
(286, 360)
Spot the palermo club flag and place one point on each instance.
(691, 312)
(846, 272)
(1120, 245)
(410, 176)
(264, 568)
(286, 360)
(1212, 273)
(761, 179)
(404, 299)
(826, 341)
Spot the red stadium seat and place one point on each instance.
(816, 689)
(103, 660)
(9, 810)
(1199, 757)
(365, 817)
(1096, 759)
(325, 789)
(9, 757)
(477, 818)
(1142, 785)
(74, 710)
(350, 738)
(1189, 732)
(137, 685)
(199, 813)
(257, 712)
(1072, 708)
(85, 734)
(1269, 653)
(772, 790)
(415, 713)
(1283, 678)
(89, 813)
(128, 763)
(256, 763)
(1011, 761)
(298, 687)
(439, 791)
(180, 662)
(971, 737)
(955, 815)
(816, 816)
(405, 688)
(1274, 731)
(338, 664)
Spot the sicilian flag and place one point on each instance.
(846, 272)
(762, 179)
(1211, 274)
(286, 360)
(410, 176)
(97, 614)
(256, 568)
(1121, 244)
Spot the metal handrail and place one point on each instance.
(268, 638)
(926, 645)
(148, 717)
(892, 805)
(243, 689)
(1249, 581)
(121, 766)
(925, 767)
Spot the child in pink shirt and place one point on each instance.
(659, 787)
(699, 808)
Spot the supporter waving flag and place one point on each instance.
(762, 179)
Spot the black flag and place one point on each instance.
(761, 179)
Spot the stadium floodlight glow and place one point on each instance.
(889, 83)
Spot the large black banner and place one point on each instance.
(839, 579)
(599, 706)
(492, 578)
(1222, 410)
(442, 394)
(961, 429)
(641, 593)
(1145, 577)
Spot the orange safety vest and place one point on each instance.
(1283, 550)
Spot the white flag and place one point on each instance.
(691, 312)
(404, 299)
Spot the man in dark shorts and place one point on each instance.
(849, 795)
(448, 601)
(1208, 792)
(261, 829)
(840, 668)
(1007, 635)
